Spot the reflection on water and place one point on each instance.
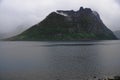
(59, 60)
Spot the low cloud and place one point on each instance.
(24, 13)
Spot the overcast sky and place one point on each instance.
(19, 14)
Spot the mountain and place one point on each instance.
(117, 33)
(83, 24)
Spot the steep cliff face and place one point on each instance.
(83, 24)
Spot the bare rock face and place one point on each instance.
(83, 24)
(86, 20)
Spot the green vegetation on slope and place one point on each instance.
(59, 27)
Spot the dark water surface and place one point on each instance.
(59, 60)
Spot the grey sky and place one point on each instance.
(19, 14)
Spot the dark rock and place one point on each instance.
(88, 10)
(94, 77)
(81, 9)
(116, 77)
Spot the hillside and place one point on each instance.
(117, 33)
(83, 24)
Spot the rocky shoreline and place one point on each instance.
(108, 78)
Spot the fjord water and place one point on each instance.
(75, 60)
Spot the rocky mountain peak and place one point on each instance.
(76, 13)
(87, 10)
